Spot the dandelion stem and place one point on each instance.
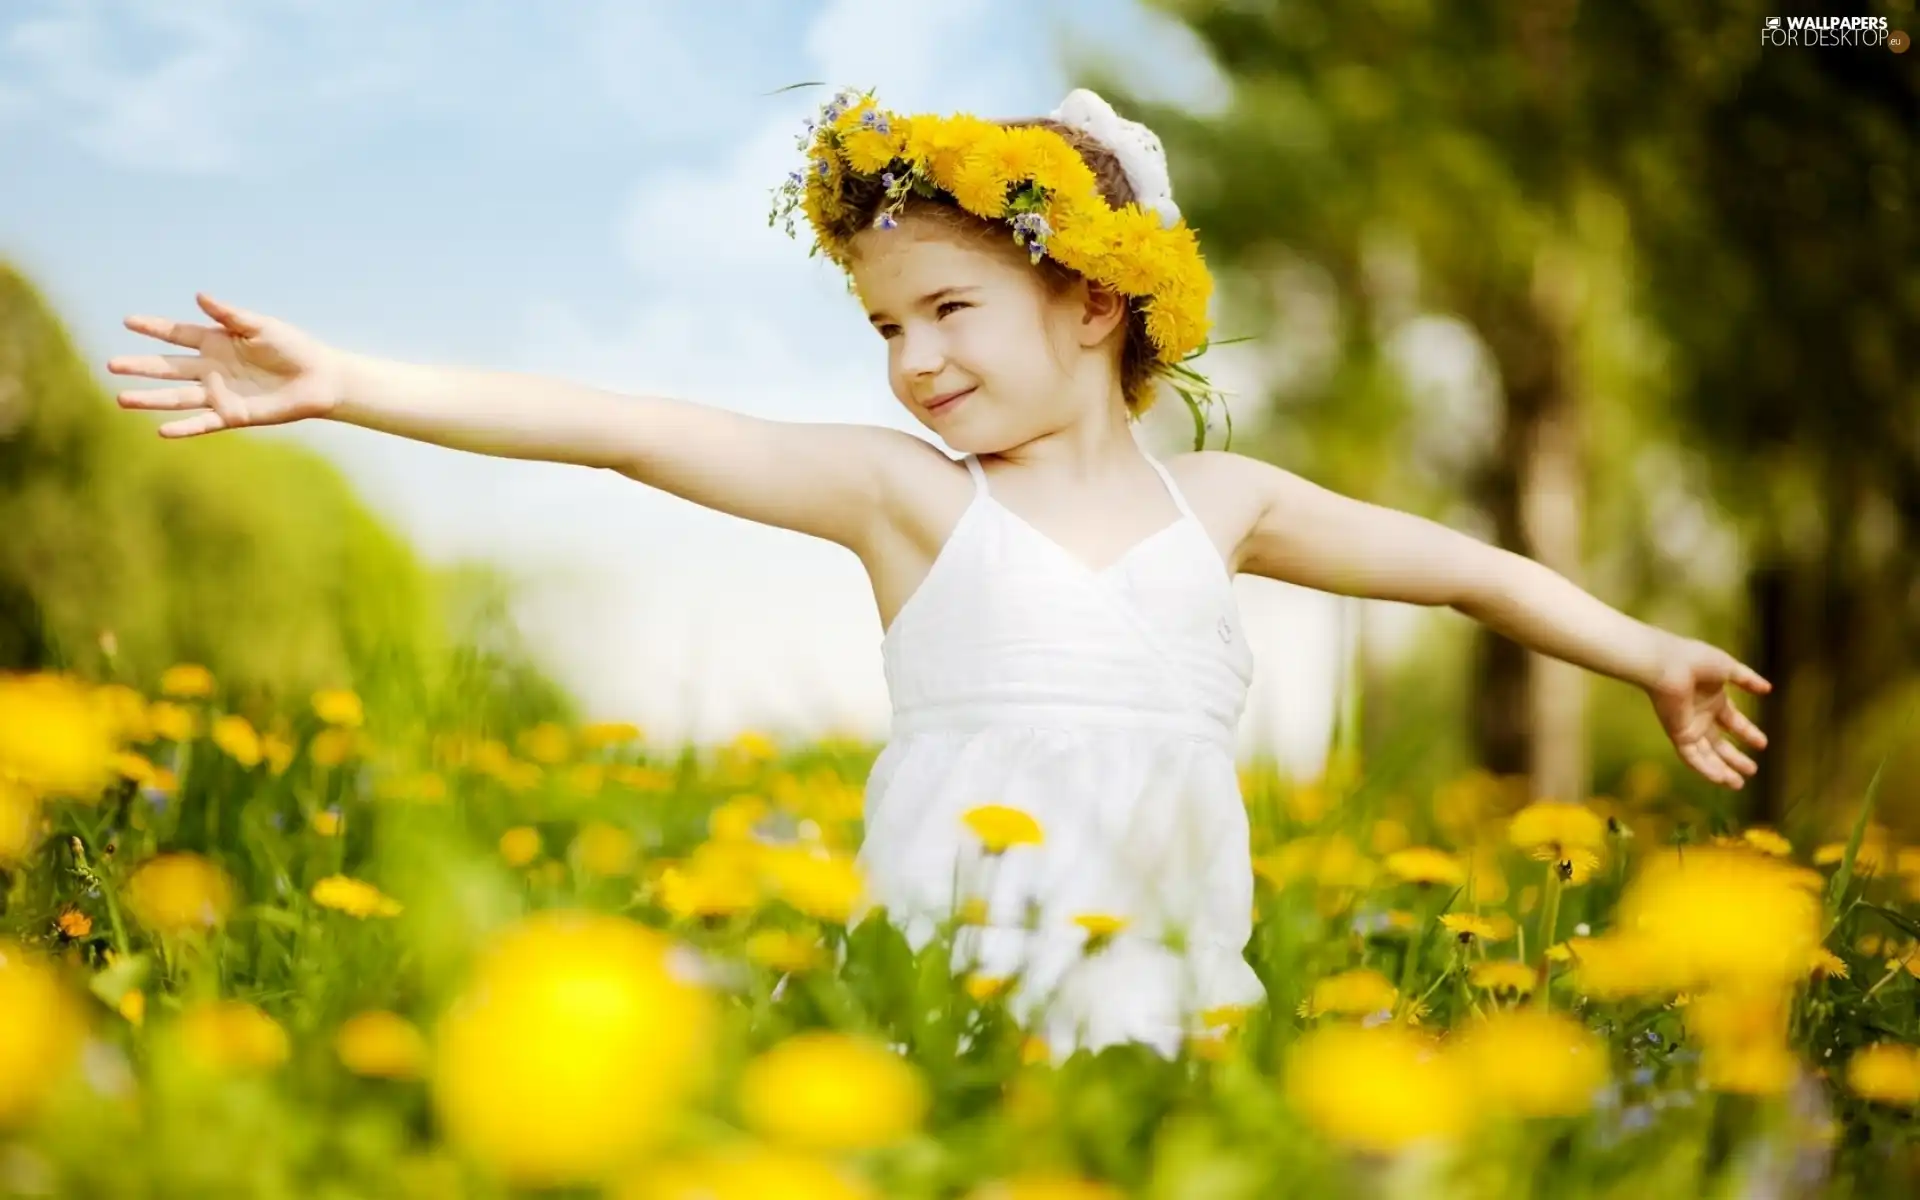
(1549, 921)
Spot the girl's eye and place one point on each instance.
(942, 310)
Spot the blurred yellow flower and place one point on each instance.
(746, 1173)
(1377, 1089)
(603, 849)
(235, 735)
(520, 845)
(1359, 992)
(19, 822)
(600, 734)
(231, 1036)
(1743, 1036)
(425, 787)
(736, 820)
(55, 738)
(1388, 835)
(1001, 828)
(785, 951)
(587, 778)
(381, 1045)
(1503, 976)
(172, 722)
(41, 1034)
(354, 897)
(1100, 926)
(718, 880)
(1711, 915)
(983, 988)
(1767, 841)
(1875, 854)
(331, 747)
(571, 1048)
(278, 752)
(832, 1092)
(133, 1006)
(178, 893)
(640, 779)
(126, 712)
(1557, 832)
(186, 681)
(756, 746)
(328, 822)
(72, 923)
(339, 706)
(1531, 1063)
(1886, 1072)
(827, 887)
(1331, 862)
(1426, 865)
(548, 743)
(134, 767)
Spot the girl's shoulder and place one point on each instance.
(1224, 490)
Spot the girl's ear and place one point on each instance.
(1103, 311)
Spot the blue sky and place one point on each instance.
(578, 188)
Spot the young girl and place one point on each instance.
(1061, 636)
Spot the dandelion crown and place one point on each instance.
(1032, 180)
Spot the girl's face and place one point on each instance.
(979, 349)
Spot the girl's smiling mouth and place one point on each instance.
(943, 402)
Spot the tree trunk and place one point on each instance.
(1530, 710)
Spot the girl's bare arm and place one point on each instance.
(833, 481)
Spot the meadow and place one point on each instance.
(331, 951)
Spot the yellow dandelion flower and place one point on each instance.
(1100, 926)
(1378, 1090)
(1553, 831)
(984, 988)
(186, 681)
(749, 1172)
(737, 819)
(1887, 1073)
(133, 1007)
(1875, 855)
(339, 706)
(1828, 965)
(1426, 865)
(980, 185)
(600, 734)
(354, 897)
(547, 743)
(718, 880)
(1708, 915)
(73, 924)
(1503, 976)
(328, 822)
(56, 738)
(172, 723)
(604, 849)
(231, 1036)
(1359, 992)
(238, 739)
(1467, 927)
(1000, 828)
(381, 1045)
(179, 893)
(520, 845)
(870, 149)
(828, 887)
(1529, 1063)
(785, 951)
(832, 1092)
(1767, 841)
(19, 822)
(41, 1037)
(571, 1048)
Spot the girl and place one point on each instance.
(1061, 637)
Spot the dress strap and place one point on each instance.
(1173, 489)
(979, 474)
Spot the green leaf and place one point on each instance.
(1844, 876)
(1905, 925)
(794, 87)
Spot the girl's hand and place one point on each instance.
(1691, 698)
(250, 370)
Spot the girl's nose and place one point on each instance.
(921, 353)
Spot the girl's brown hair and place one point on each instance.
(863, 198)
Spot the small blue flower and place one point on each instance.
(1636, 1118)
(820, 165)
(796, 178)
(1642, 1077)
(886, 180)
(885, 221)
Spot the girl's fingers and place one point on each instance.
(1735, 722)
(236, 320)
(1734, 756)
(180, 333)
(1744, 676)
(206, 422)
(159, 366)
(165, 399)
(1705, 761)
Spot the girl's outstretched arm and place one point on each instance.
(832, 481)
(1309, 535)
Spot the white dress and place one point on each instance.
(1104, 703)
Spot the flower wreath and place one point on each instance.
(1035, 182)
